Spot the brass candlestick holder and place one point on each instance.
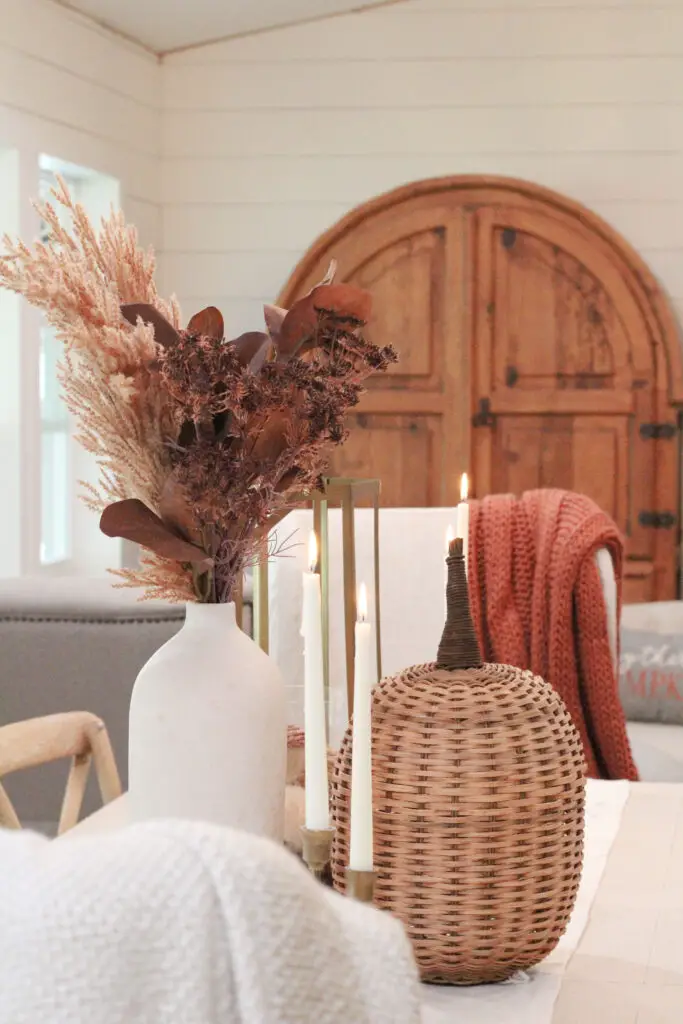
(360, 885)
(317, 849)
(338, 492)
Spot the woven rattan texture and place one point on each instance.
(478, 800)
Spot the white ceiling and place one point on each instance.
(163, 25)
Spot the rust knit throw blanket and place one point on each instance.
(537, 603)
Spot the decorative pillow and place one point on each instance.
(651, 662)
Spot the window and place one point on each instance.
(62, 465)
(55, 435)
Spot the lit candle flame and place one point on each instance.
(464, 487)
(312, 551)
(362, 603)
(450, 535)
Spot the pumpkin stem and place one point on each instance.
(459, 647)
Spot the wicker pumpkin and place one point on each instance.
(478, 807)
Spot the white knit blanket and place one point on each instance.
(182, 923)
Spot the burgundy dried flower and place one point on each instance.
(257, 416)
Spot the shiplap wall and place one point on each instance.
(77, 92)
(269, 139)
(73, 91)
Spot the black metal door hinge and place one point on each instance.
(483, 417)
(508, 237)
(658, 431)
(657, 520)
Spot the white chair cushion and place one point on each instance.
(412, 573)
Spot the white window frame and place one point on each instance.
(56, 540)
(78, 548)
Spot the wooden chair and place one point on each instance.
(76, 734)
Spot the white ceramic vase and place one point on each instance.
(208, 729)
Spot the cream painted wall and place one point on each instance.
(269, 139)
(233, 157)
(78, 93)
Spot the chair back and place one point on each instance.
(77, 735)
(412, 549)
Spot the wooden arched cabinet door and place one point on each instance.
(536, 350)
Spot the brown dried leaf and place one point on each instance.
(175, 510)
(208, 322)
(287, 480)
(261, 355)
(297, 326)
(132, 520)
(272, 439)
(343, 300)
(165, 333)
(274, 317)
(252, 349)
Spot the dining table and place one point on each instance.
(620, 960)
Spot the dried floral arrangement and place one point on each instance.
(203, 443)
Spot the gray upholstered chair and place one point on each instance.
(74, 735)
(72, 645)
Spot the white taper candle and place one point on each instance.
(315, 730)
(361, 841)
(462, 523)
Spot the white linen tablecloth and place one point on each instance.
(530, 998)
(643, 824)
